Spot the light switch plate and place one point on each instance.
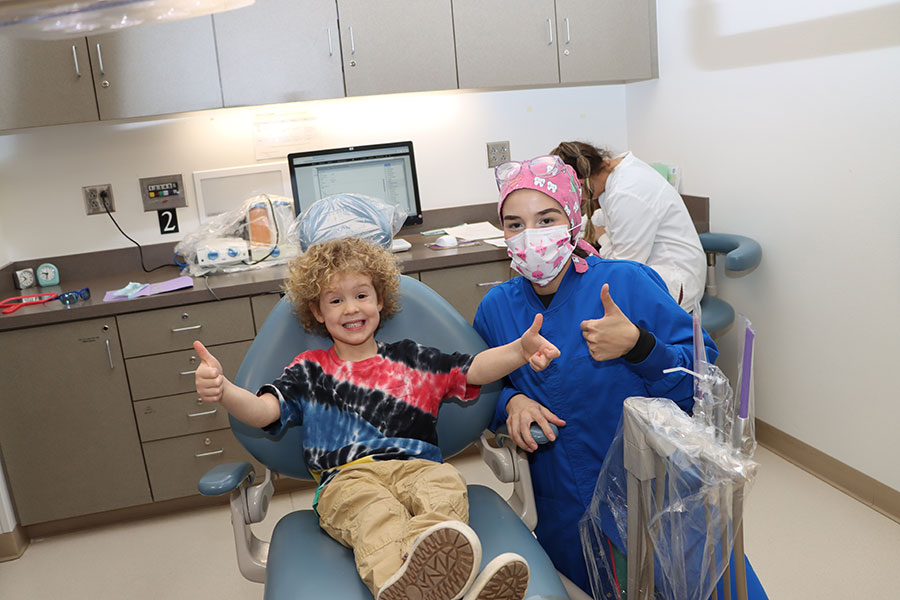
(166, 191)
(498, 153)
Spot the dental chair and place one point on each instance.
(301, 561)
(741, 254)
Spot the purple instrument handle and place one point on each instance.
(745, 373)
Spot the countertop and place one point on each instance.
(217, 286)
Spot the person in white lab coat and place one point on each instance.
(644, 217)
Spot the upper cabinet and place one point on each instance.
(45, 83)
(397, 46)
(505, 43)
(156, 69)
(278, 51)
(605, 40)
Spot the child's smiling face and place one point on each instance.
(350, 309)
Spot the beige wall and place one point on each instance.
(785, 114)
(44, 168)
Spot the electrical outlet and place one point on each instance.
(498, 153)
(98, 198)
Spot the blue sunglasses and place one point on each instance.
(70, 298)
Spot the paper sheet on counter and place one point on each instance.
(474, 231)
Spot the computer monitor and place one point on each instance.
(383, 171)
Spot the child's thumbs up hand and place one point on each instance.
(209, 379)
(537, 351)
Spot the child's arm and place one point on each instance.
(247, 407)
(495, 363)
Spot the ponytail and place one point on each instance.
(586, 160)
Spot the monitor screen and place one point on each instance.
(383, 171)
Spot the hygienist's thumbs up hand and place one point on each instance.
(536, 350)
(208, 378)
(611, 336)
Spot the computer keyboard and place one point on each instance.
(400, 245)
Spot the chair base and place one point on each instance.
(304, 562)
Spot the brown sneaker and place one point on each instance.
(504, 578)
(441, 565)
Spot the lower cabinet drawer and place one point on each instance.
(173, 372)
(178, 415)
(175, 465)
(465, 286)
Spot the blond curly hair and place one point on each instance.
(311, 272)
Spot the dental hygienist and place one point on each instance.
(615, 325)
(644, 217)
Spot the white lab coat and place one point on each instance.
(647, 222)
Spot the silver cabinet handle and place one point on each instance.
(330, 47)
(352, 43)
(213, 453)
(177, 329)
(568, 35)
(488, 283)
(204, 413)
(75, 58)
(549, 30)
(109, 354)
(189, 372)
(100, 58)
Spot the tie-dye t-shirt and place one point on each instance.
(381, 408)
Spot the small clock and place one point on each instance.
(47, 274)
(24, 278)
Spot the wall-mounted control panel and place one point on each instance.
(166, 191)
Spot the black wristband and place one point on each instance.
(642, 349)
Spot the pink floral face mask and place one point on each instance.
(539, 254)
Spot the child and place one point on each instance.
(369, 412)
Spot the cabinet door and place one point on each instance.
(464, 287)
(505, 43)
(604, 40)
(397, 46)
(45, 83)
(156, 69)
(66, 423)
(279, 51)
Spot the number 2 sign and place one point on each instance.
(168, 221)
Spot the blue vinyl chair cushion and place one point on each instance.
(304, 562)
(715, 314)
(741, 253)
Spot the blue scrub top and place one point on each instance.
(585, 393)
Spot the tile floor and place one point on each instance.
(805, 539)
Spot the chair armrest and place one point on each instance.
(223, 478)
(249, 504)
(536, 432)
(509, 464)
(741, 253)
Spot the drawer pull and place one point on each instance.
(488, 283)
(213, 453)
(189, 372)
(75, 56)
(109, 354)
(177, 329)
(204, 413)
